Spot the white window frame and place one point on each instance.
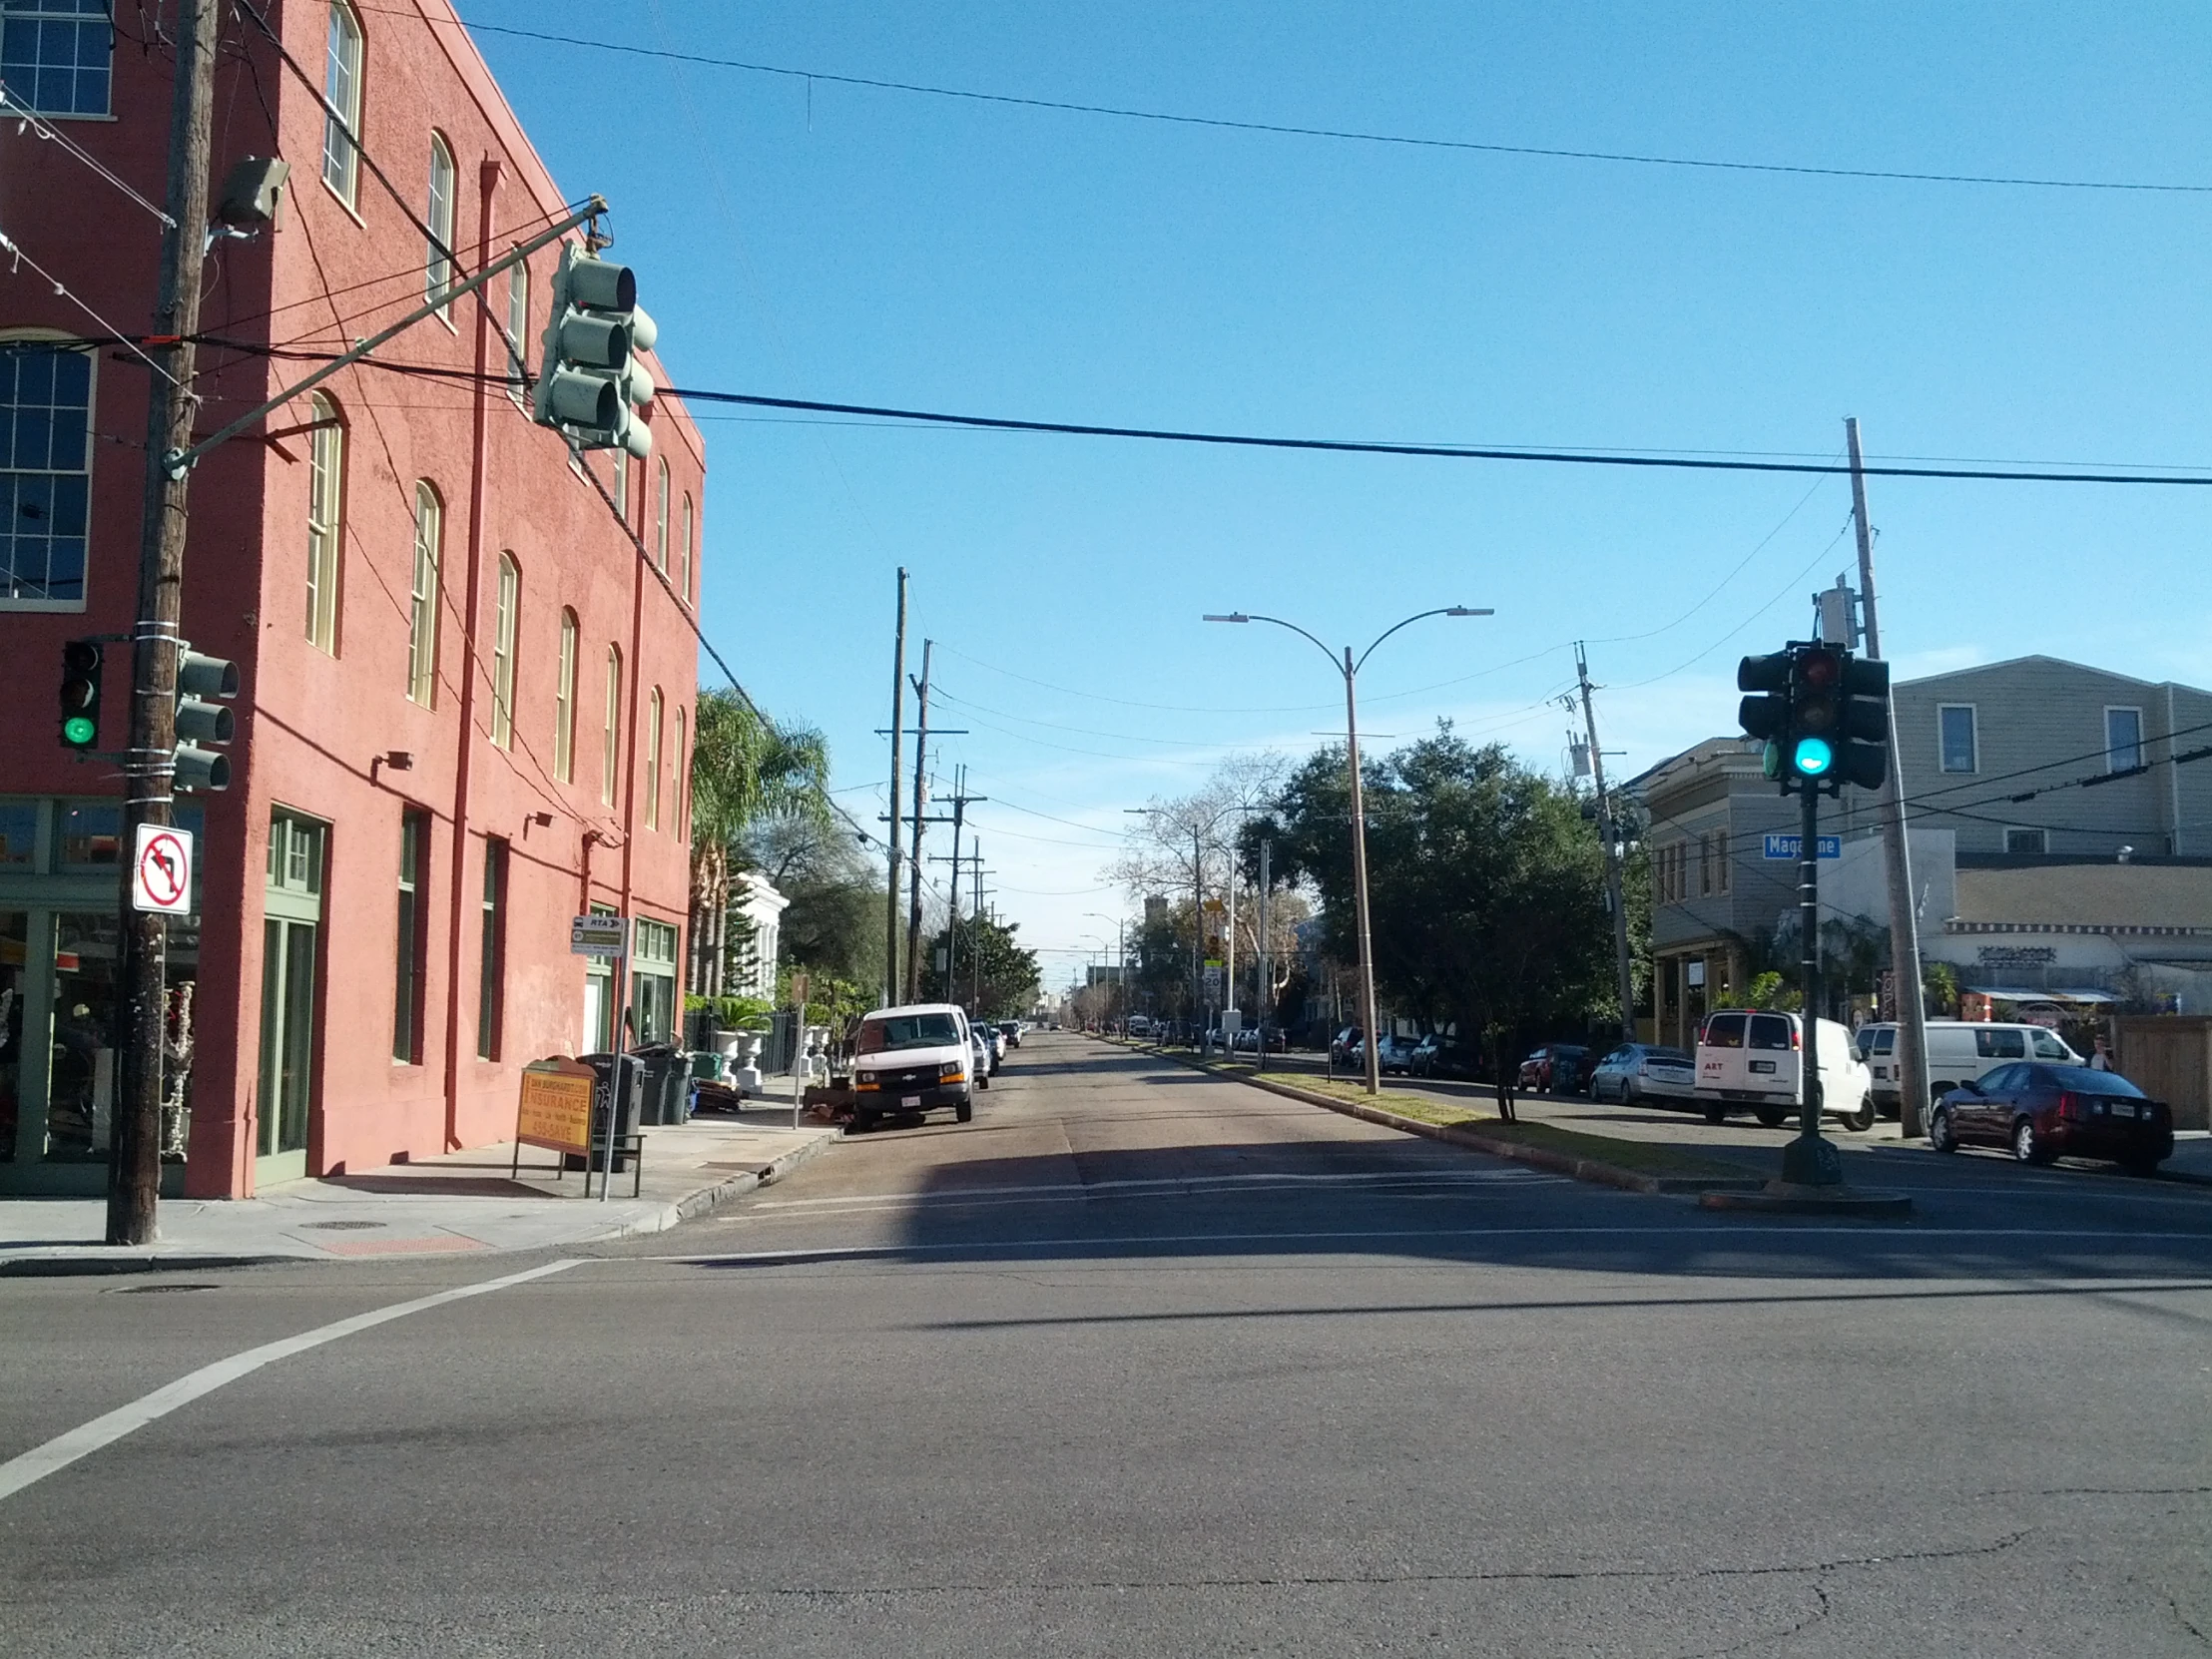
(36, 336)
(564, 698)
(2112, 760)
(346, 56)
(610, 764)
(679, 781)
(683, 587)
(519, 330)
(422, 598)
(43, 16)
(505, 613)
(1973, 737)
(655, 706)
(438, 269)
(326, 521)
(660, 520)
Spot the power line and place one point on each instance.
(1344, 135)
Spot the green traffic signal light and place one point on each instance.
(78, 732)
(80, 693)
(1813, 757)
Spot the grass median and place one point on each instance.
(1643, 1157)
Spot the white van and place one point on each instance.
(1747, 1058)
(914, 1059)
(1957, 1049)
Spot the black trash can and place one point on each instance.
(622, 1076)
(663, 1083)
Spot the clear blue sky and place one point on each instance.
(826, 242)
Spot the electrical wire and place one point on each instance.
(1335, 134)
(17, 256)
(54, 134)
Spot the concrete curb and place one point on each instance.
(702, 1202)
(1593, 1170)
(1780, 1198)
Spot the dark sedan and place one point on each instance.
(2044, 1111)
(1435, 1056)
(1555, 1068)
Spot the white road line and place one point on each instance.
(1168, 1184)
(893, 1252)
(61, 1451)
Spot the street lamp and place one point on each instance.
(1121, 952)
(1350, 669)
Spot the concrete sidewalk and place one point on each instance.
(465, 1202)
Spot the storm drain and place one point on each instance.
(158, 1289)
(338, 1226)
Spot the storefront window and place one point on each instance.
(18, 834)
(14, 954)
(653, 982)
(91, 833)
(80, 1085)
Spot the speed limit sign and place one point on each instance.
(160, 875)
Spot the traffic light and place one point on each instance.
(1864, 758)
(591, 383)
(1766, 716)
(81, 662)
(1816, 710)
(200, 720)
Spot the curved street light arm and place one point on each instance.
(1440, 610)
(1326, 651)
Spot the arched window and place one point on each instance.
(342, 87)
(503, 652)
(679, 781)
(683, 586)
(45, 472)
(653, 761)
(325, 503)
(564, 703)
(438, 280)
(610, 766)
(519, 330)
(422, 615)
(659, 521)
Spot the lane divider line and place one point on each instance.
(61, 1451)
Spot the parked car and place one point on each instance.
(1748, 1057)
(1555, 1068)
(915, 1058)
(1644, 1074)
(983, 1066)
(995, 1041)
(1246, 1041)
(1344, 1044)
(1393, 1052)
(1440, 1056)
(1957, 1049)
(1140, 1025)
(2045, 1111)
(1011, 1030)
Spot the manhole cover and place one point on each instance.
(338, 1226)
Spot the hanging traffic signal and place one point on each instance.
(1766, 716)
(591, 383)
(80, 695)
(200, 720)
(1864, 759)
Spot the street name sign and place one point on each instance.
(596, 935)
(161, 870)
(1786, 847)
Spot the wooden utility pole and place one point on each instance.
(960, 801)
(899, 724)
(1904, 927)
(912, 992)
(1624, 979)
(148, 768)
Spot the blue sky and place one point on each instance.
(818, 240)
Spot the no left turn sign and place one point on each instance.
(160, 878)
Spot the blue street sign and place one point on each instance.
(1786, 847)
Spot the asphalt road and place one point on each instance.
(1146, 1361)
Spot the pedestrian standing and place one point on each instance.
(2102, 1060)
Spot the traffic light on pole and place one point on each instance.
(80, 695)
(591, 383)
(1817, 704)
(200, 720)
(1864, 756)
(1766, 716)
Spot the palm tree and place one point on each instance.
(747, 768)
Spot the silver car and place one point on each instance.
(1644, 1074)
